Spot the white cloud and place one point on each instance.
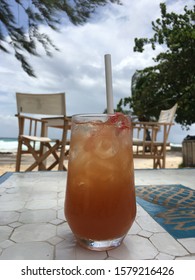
(78, 69)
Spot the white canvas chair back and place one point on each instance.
(33, 128)
(167, 116)
(45, 104)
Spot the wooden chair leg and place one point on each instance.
(40, 159)
(163, 161)
(18, 156)
(62, 150)
(42, 165)
(159, 158)
(56, 156)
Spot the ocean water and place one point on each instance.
(9, 145)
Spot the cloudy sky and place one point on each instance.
(78, 68)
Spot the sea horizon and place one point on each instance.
(10, 144)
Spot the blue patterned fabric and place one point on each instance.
(172, 206)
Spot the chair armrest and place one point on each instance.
(151, 123)
(58, 122)
(30, 118)
(152, 126)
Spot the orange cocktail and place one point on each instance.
(100, 202)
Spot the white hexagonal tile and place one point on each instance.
(189, 244)
(149, 224)
(55, 240)
(15, 224)
(29, 251)
(145, 233)
(40, 194)
(134, 248)
(5, 232)
(11, 205)
(8, 217)
(63, 230)
(33, 232)
(135, 228)
(37, 216)
(162, 256)
(61, 194)
(2, 190)
(61, 202)
(60, 214)
(189, 257)
(41, 204)
(57, 222)
(65, 251)
(6, 244)
(165, 243)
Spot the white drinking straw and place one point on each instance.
(109, 91)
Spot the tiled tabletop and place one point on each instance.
(32, 224)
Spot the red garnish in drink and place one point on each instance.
(120, 120)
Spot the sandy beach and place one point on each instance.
(7, 161)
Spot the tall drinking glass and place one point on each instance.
(100, 202)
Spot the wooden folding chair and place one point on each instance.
(58, 123)
(32, 137)
(146, 142)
